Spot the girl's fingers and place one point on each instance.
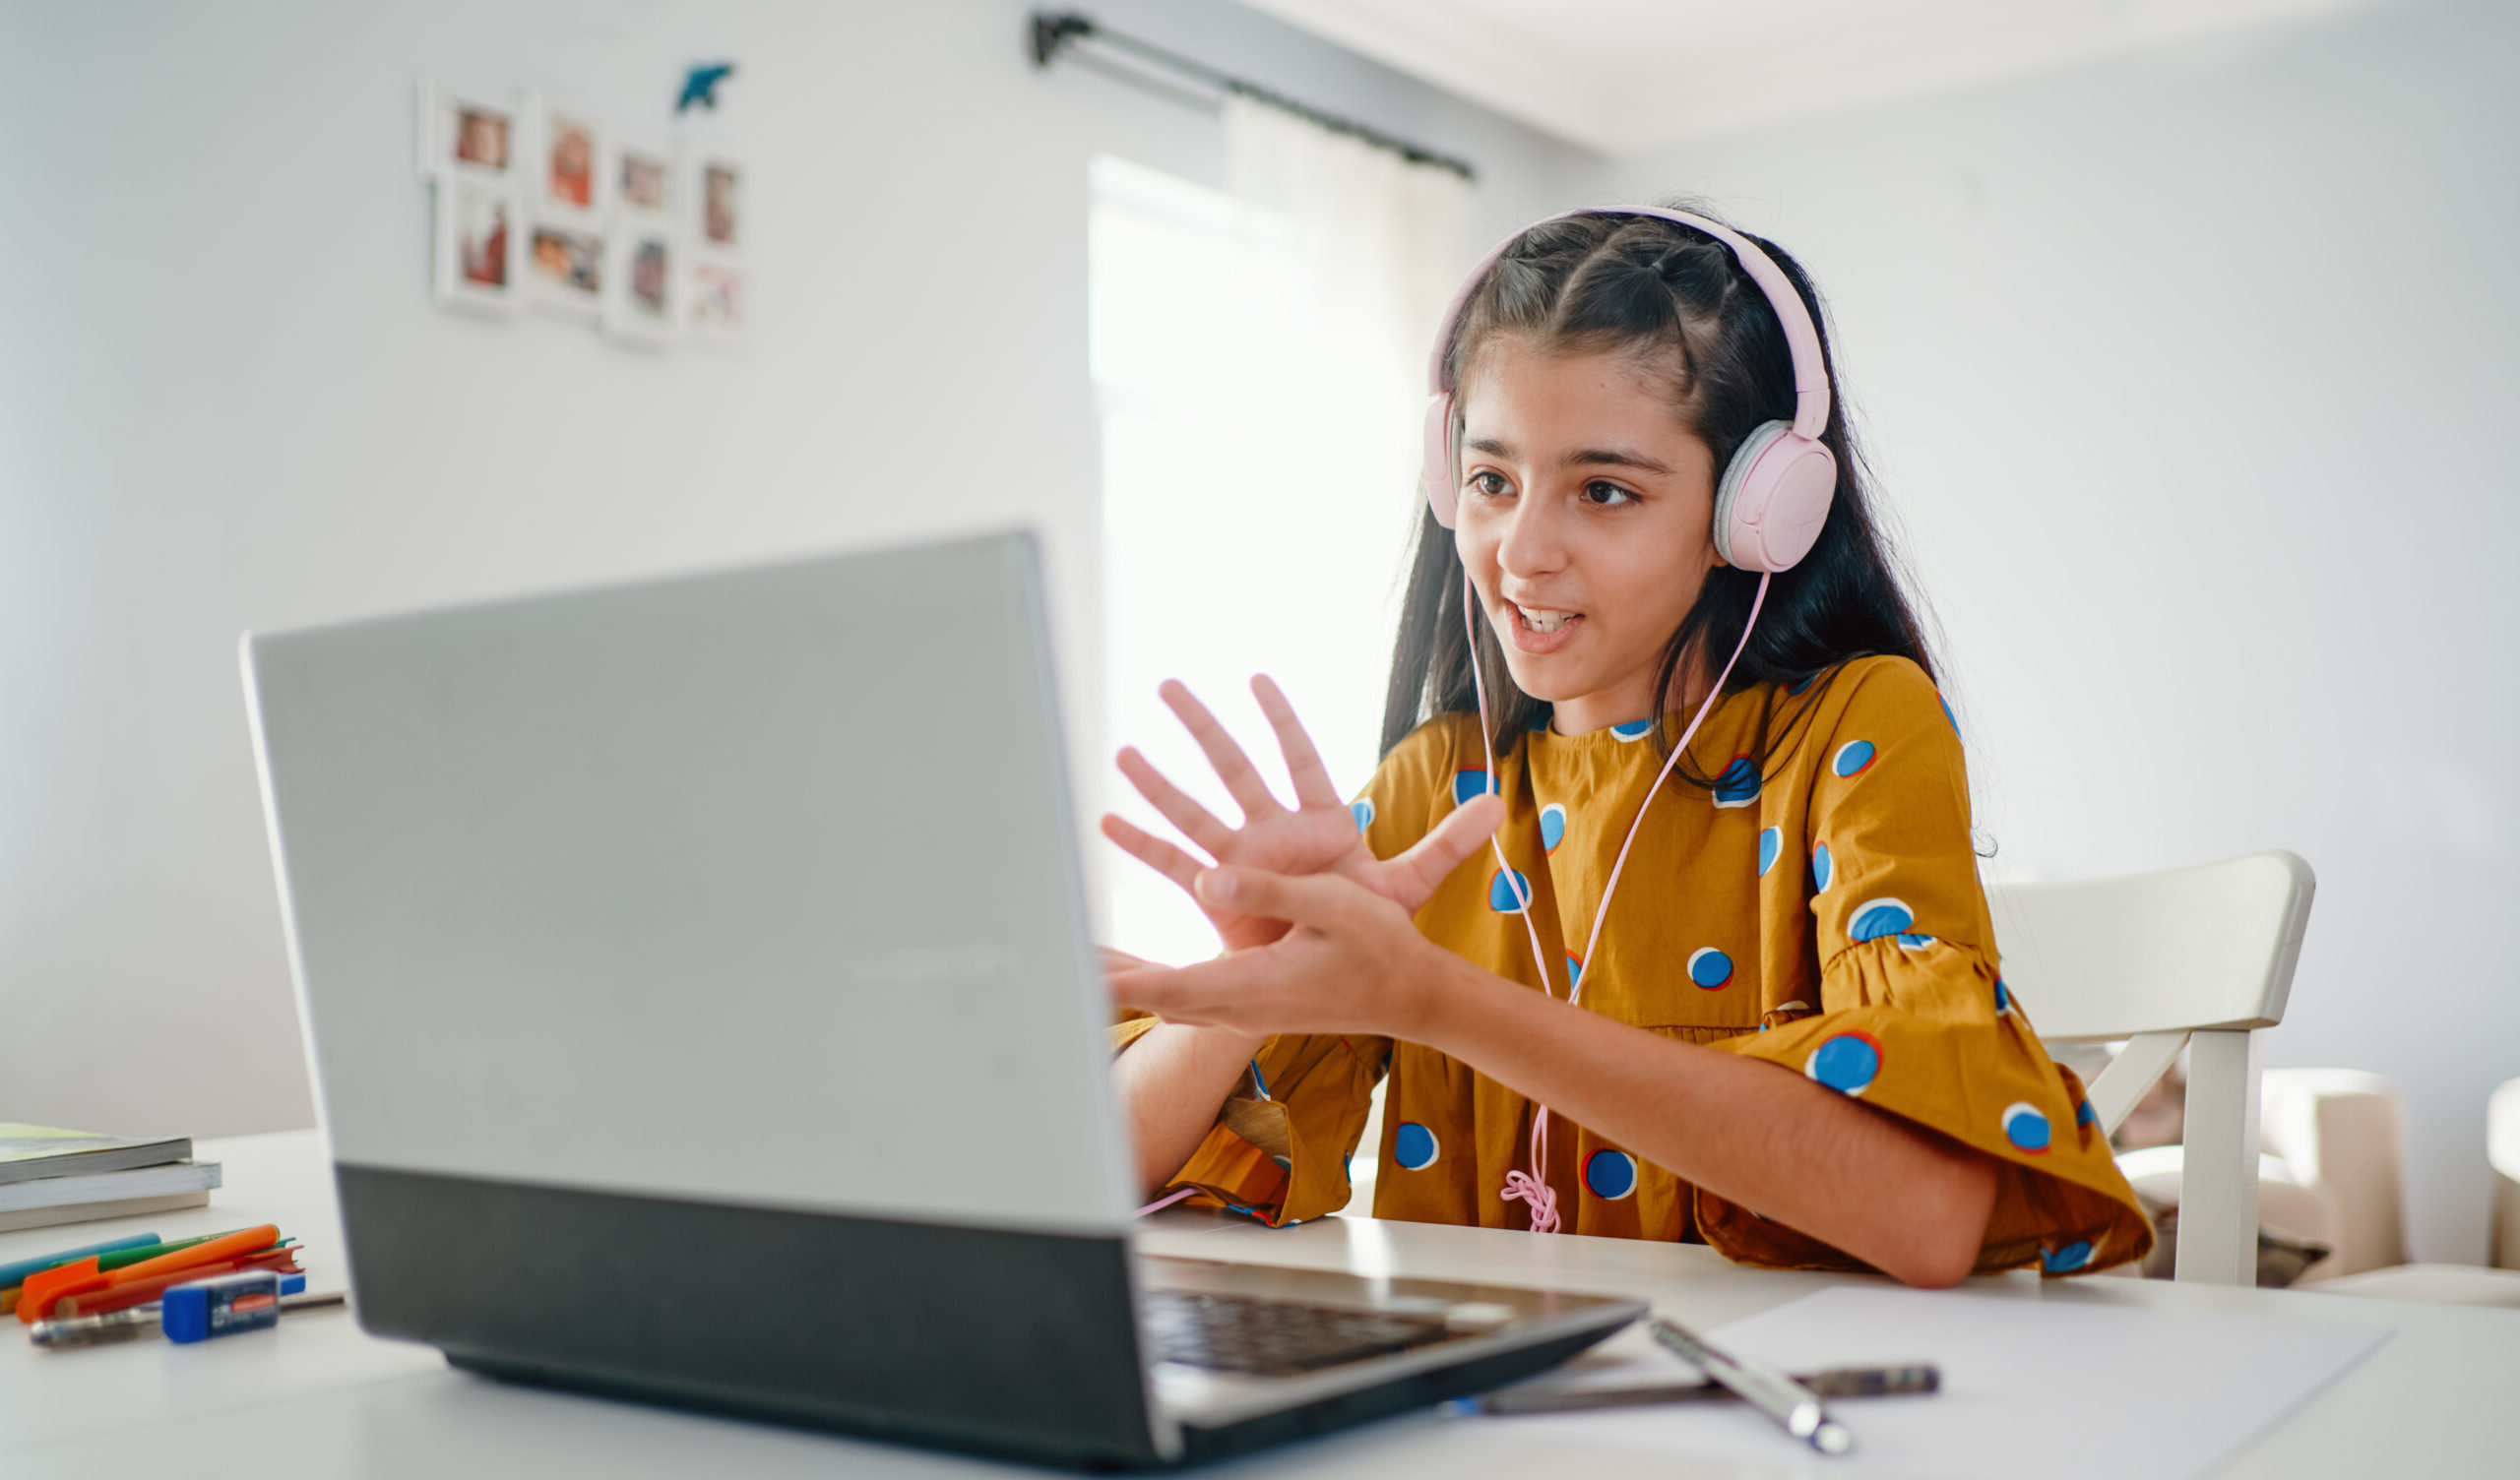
(1116, 961)
(1303, 763)
(1241, 778)
(1206, 992)
(1464, 831)
(1153, 852)
(1320, 901)
(1179, 807)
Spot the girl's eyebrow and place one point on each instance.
(1614, 458)
(1590, 457)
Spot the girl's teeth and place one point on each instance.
(1544, 621)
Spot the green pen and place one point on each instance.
(121, 1256)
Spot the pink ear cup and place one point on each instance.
(1440, 492)
(1773, 498)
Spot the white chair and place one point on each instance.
(2503, 1153)
(2332, 1172)
(2198, 958)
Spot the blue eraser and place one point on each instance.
(220, 1305)
(293, 1284)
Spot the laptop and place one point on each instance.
(702, 1007)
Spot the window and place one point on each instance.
(1259, 481)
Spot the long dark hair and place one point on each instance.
(1675, 296)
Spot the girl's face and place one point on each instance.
(1585, 516)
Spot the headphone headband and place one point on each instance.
(1801, 337)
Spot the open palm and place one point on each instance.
(1317, 835)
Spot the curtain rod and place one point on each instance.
(1060, 33)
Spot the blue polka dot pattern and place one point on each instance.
(1505, 895)
(1875, 918)
(1852, 757)
(1363, 810)
(1709, 968)
(1611, 1175)
(1574, 973)
(1469, 783)
(1415, 1147)
(1848, 1063)
(1552, 825)
(2003, 997)
(1913, 940)
(2067, 1260)
(1823, 868)
(1800, 684)
(1633, 730)
(1771, 843)
(2085, 1115)
(1738, 786)
(1954, 721)
(2026, 1128)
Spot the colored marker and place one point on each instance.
(83, 1276)
(16, 1275)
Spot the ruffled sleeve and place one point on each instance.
(1280, 1149)
(1914, 1017)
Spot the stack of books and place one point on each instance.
(52, 1175)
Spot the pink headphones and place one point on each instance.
(1774, 494)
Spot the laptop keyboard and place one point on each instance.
(1272, 1337)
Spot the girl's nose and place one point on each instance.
(1532, 545)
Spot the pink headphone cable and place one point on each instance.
(1531, 1187)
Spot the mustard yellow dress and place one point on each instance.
(1825, 916)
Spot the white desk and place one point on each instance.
(320, 1398)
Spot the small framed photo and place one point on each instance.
(639, 294)
(467, 134)
(720, 187)
(569, 166)
(643, 182)
(564, 270)
(480, 245)
(719, 308)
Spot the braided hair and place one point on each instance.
(1678, 302)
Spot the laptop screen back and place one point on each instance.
(755, 889)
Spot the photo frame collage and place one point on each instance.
(539, 204)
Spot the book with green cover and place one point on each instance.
(28, 1153)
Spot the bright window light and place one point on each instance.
(1259, 486)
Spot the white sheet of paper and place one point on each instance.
(2029, 1388)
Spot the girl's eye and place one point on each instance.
(1489, 484)
(1606, 495)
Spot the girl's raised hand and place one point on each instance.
(1317, 836)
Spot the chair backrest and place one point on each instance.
(2196, 959)
(2207, 947)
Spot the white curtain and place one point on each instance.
(1260, 357)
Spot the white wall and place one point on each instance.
(227, 403)
(2187, 375)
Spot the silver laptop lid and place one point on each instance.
(756, 887)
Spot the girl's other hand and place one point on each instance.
(1351, 962)
(1317, 836)
(1117, 962)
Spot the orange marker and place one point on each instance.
(42, 1292)
(142, 1291)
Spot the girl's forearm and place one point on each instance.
(1171, 1083)
(1861, 1180)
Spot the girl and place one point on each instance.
(1786, 1034)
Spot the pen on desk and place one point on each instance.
(16, 1273)
(147, 1320)
(1835, 1381)
(1796, 1408)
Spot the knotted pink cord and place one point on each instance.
(1532, 1187)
